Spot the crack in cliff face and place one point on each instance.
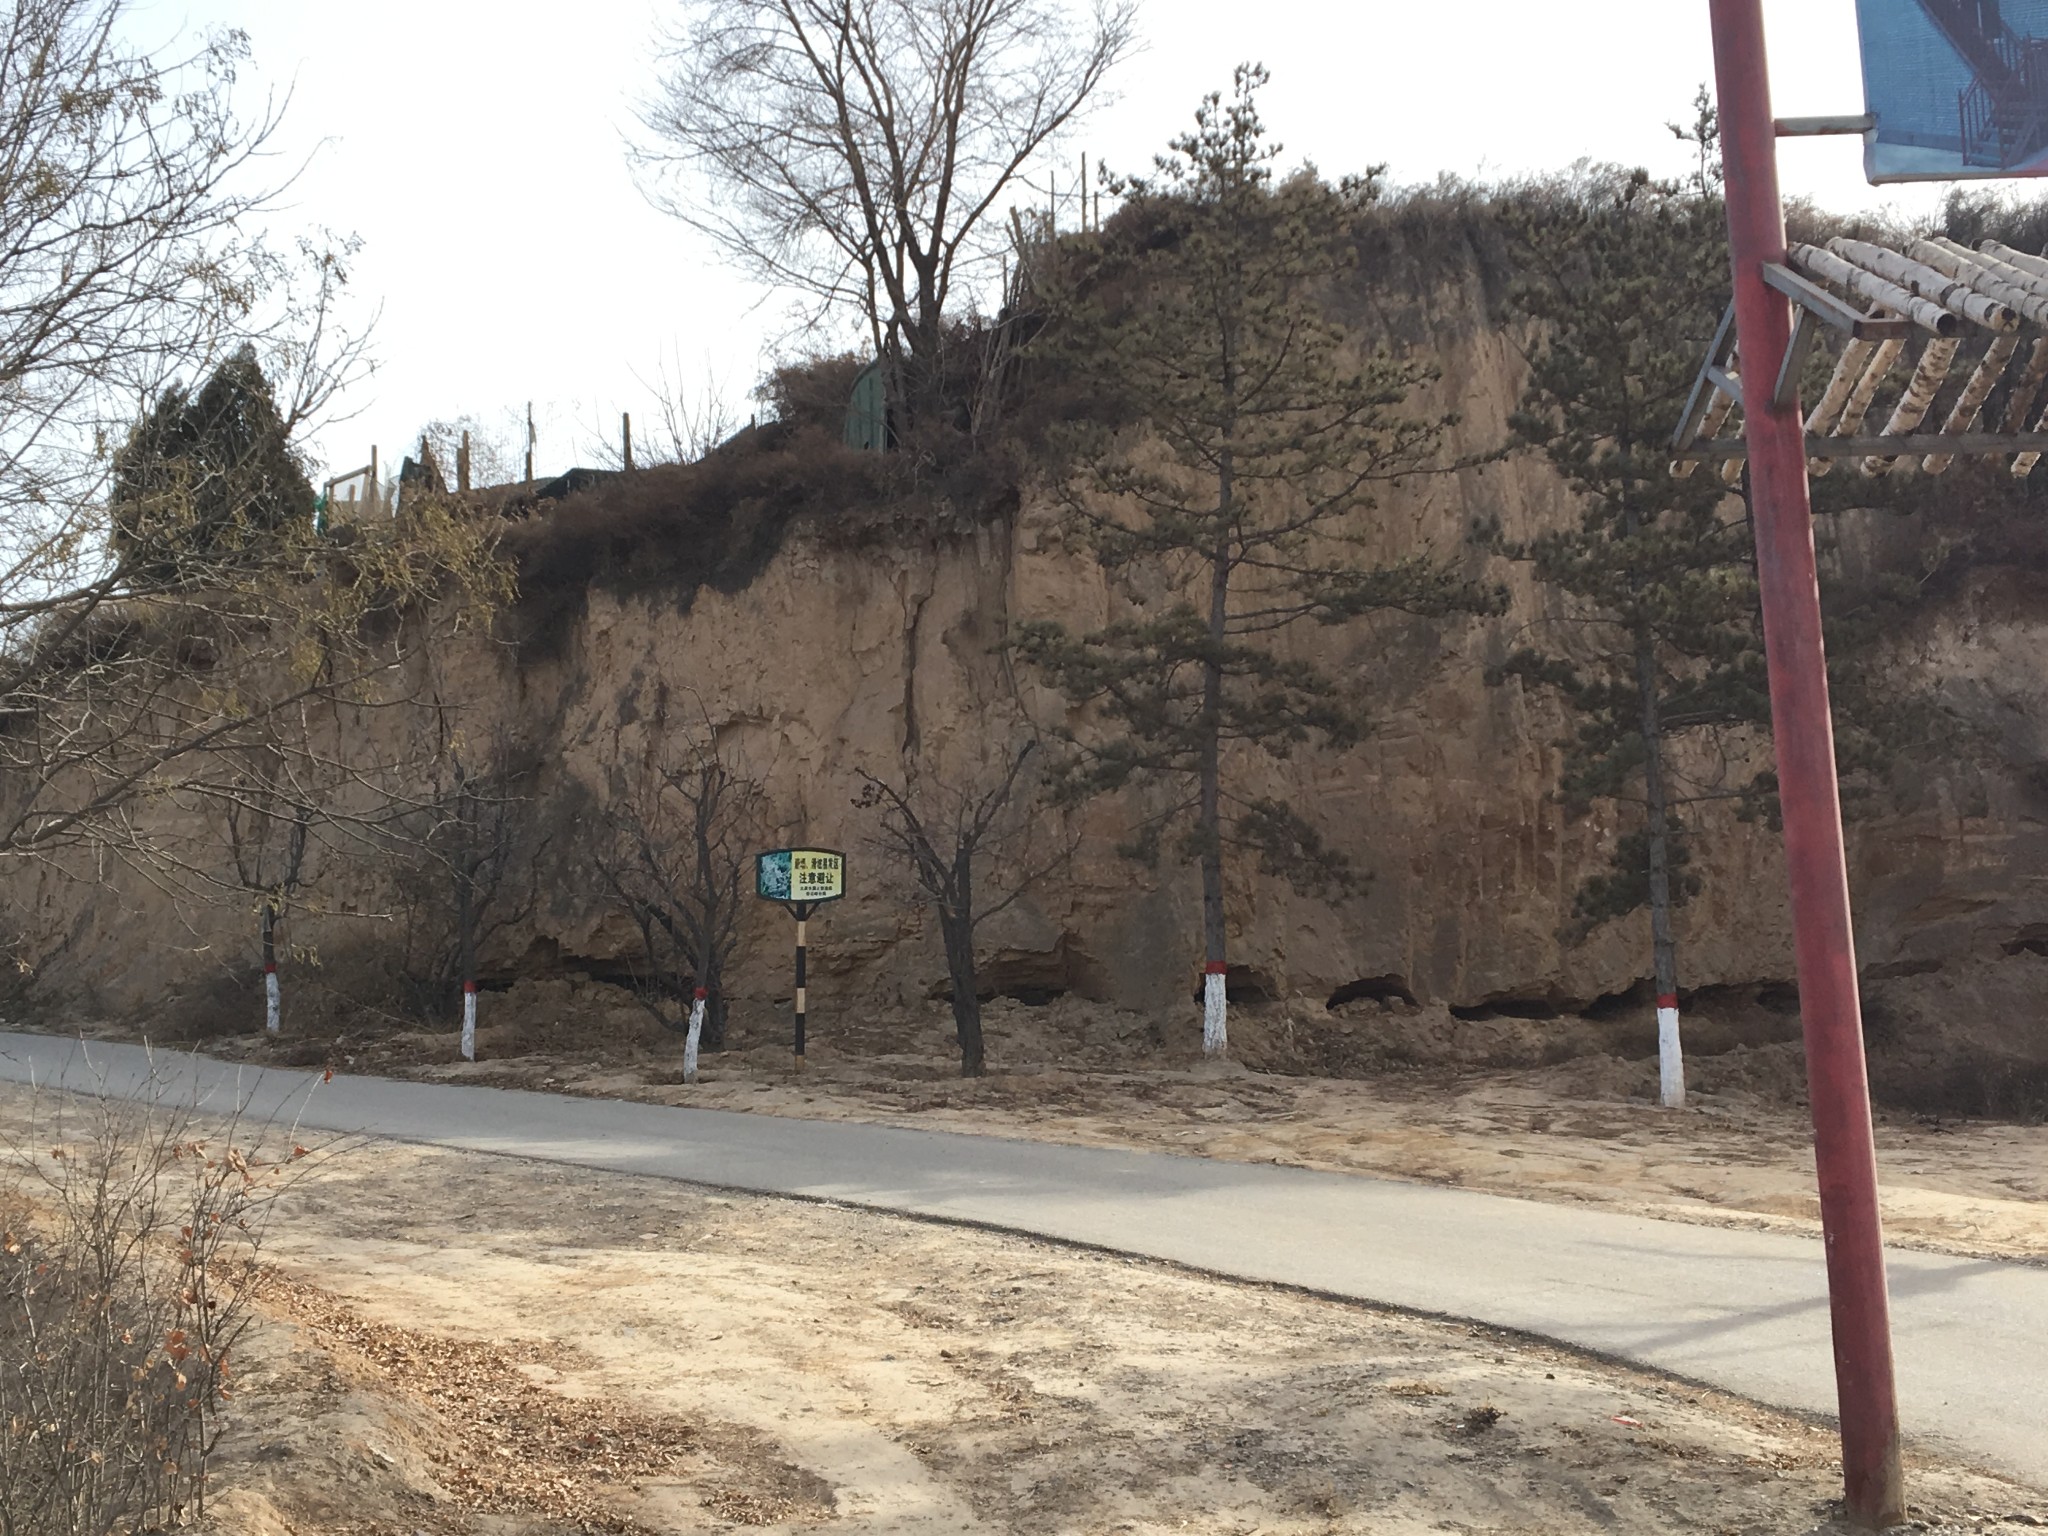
(912, 738)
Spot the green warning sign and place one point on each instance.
(800, 874)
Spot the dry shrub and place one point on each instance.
(679, 527)
(125, 1284)
(209, 1008)
(813, 391)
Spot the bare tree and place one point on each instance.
(684, 423)
(313, 793)
(482, 836)
(970, 849)
(267, 844)
(678, 859)
(852, 150)
(688, 422)
(472, 450)
(132, 656)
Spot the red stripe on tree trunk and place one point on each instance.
(1668, 1000)
(1215, 968)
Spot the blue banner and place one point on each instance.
(1958, 89)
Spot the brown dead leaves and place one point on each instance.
(512, 1446)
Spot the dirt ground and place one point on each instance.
(1586, 1130)
(454, 1343)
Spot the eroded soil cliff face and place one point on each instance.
(849, 654)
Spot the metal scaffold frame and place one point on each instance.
(1968, 309)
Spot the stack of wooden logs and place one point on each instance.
(1952, 296)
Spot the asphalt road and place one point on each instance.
(1742, 1310)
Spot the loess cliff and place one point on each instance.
(818, 654)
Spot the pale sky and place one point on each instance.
(477, 147)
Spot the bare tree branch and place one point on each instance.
(851, 151)
(961, 841)
(681, 832)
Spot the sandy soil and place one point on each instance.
(454, 1343)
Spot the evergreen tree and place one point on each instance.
(1655, 635)
(1255, 433)
(204, 473)
(1656, 642)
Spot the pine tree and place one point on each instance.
(1656, 637)
(1255, 433)
(204, 473)
(1657, 645)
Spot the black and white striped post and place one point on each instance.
(799, 880)
(801, 911)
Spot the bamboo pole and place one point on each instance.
(376, 495)
(462, 463)
(626, 431)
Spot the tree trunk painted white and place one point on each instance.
(1670, 1058)
(695, 1033)
(1215, 1026)
(469, 1021)
(270, 999)
(1657, 824)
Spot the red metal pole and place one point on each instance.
(1837, 1086)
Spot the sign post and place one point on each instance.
(1830, 1010)
(800, 879)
